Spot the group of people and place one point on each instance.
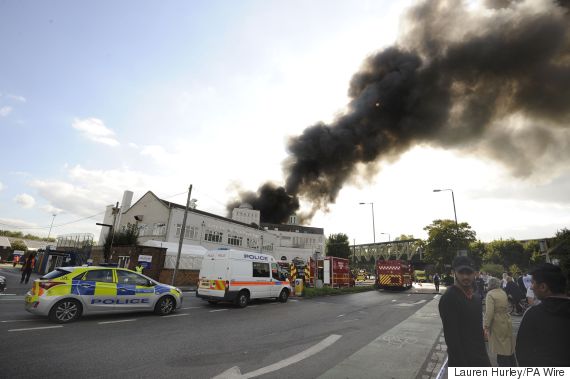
(544, 332)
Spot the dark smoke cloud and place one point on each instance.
(495, 83)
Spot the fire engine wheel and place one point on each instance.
(165, 306)
(283, 296)
(242, 299)
(66, 310)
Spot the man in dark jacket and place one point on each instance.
(461, 313)
(542, 339)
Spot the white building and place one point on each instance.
(161, 220)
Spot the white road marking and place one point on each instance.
(40, 327)
(177, 315)
(218, 310)
(235, 373)
(18, 320)
(117, 321)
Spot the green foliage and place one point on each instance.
(561, 250)
(19, 245)
(507, 253)
(8, 233)
(337, 245)
(493, 269)
(326, 291)
(514, 270)
(444, 239)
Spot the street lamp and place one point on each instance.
(373, 227)
(452, 198)
(49, 233)
(389, 239)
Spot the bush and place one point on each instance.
(493, 269)
(325, 291)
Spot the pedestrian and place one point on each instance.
(27, 267)
(436, 281)
(514, 294)
(498, 325)
(544, 332)
(139, 268)
(462, 316)
(527, 281)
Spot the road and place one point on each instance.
(305, 338)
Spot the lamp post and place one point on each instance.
(373, 227)
(389, 239)
(455, 214)
(452, 198)
(53, 218)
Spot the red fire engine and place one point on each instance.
(333, 271)
(394, 274)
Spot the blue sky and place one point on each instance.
(100, 97)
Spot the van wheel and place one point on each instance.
(242, 299)
(165, 306)
(283, 296)
(66, 310)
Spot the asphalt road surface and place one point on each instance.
(303, 338)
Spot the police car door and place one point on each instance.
(134, 291)
(262, 280)
(97, 289)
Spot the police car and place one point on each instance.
(69, 292)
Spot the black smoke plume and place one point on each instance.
(493, 82)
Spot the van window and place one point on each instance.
(275, 272)
(260, 270)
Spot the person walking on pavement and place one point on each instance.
(27, 267)
(462, 316)
(139, 268)
(436, 281)
(544, 332)
(514, 294)
(498, 324)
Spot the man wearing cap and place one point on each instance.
(462, 316)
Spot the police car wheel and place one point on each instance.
(242, 299)
(66, 310)
(283, 296)
(165, 306)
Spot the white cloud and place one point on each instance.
(51, 209)
(5, 111)
(25, 200)
(95, 130)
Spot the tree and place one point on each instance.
(19, 245)
(338, 246)
(506, 253)
(128, 236)
(445, 239)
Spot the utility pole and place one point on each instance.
(49, 233)
(182, 232)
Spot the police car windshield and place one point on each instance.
(55, 274)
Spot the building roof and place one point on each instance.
(292, 228)
(5, 242)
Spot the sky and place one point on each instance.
(101, 97)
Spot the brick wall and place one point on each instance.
(183, 277)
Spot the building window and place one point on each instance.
(190, 232)
(213, 236)
(234, 240)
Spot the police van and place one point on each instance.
(239, 276)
